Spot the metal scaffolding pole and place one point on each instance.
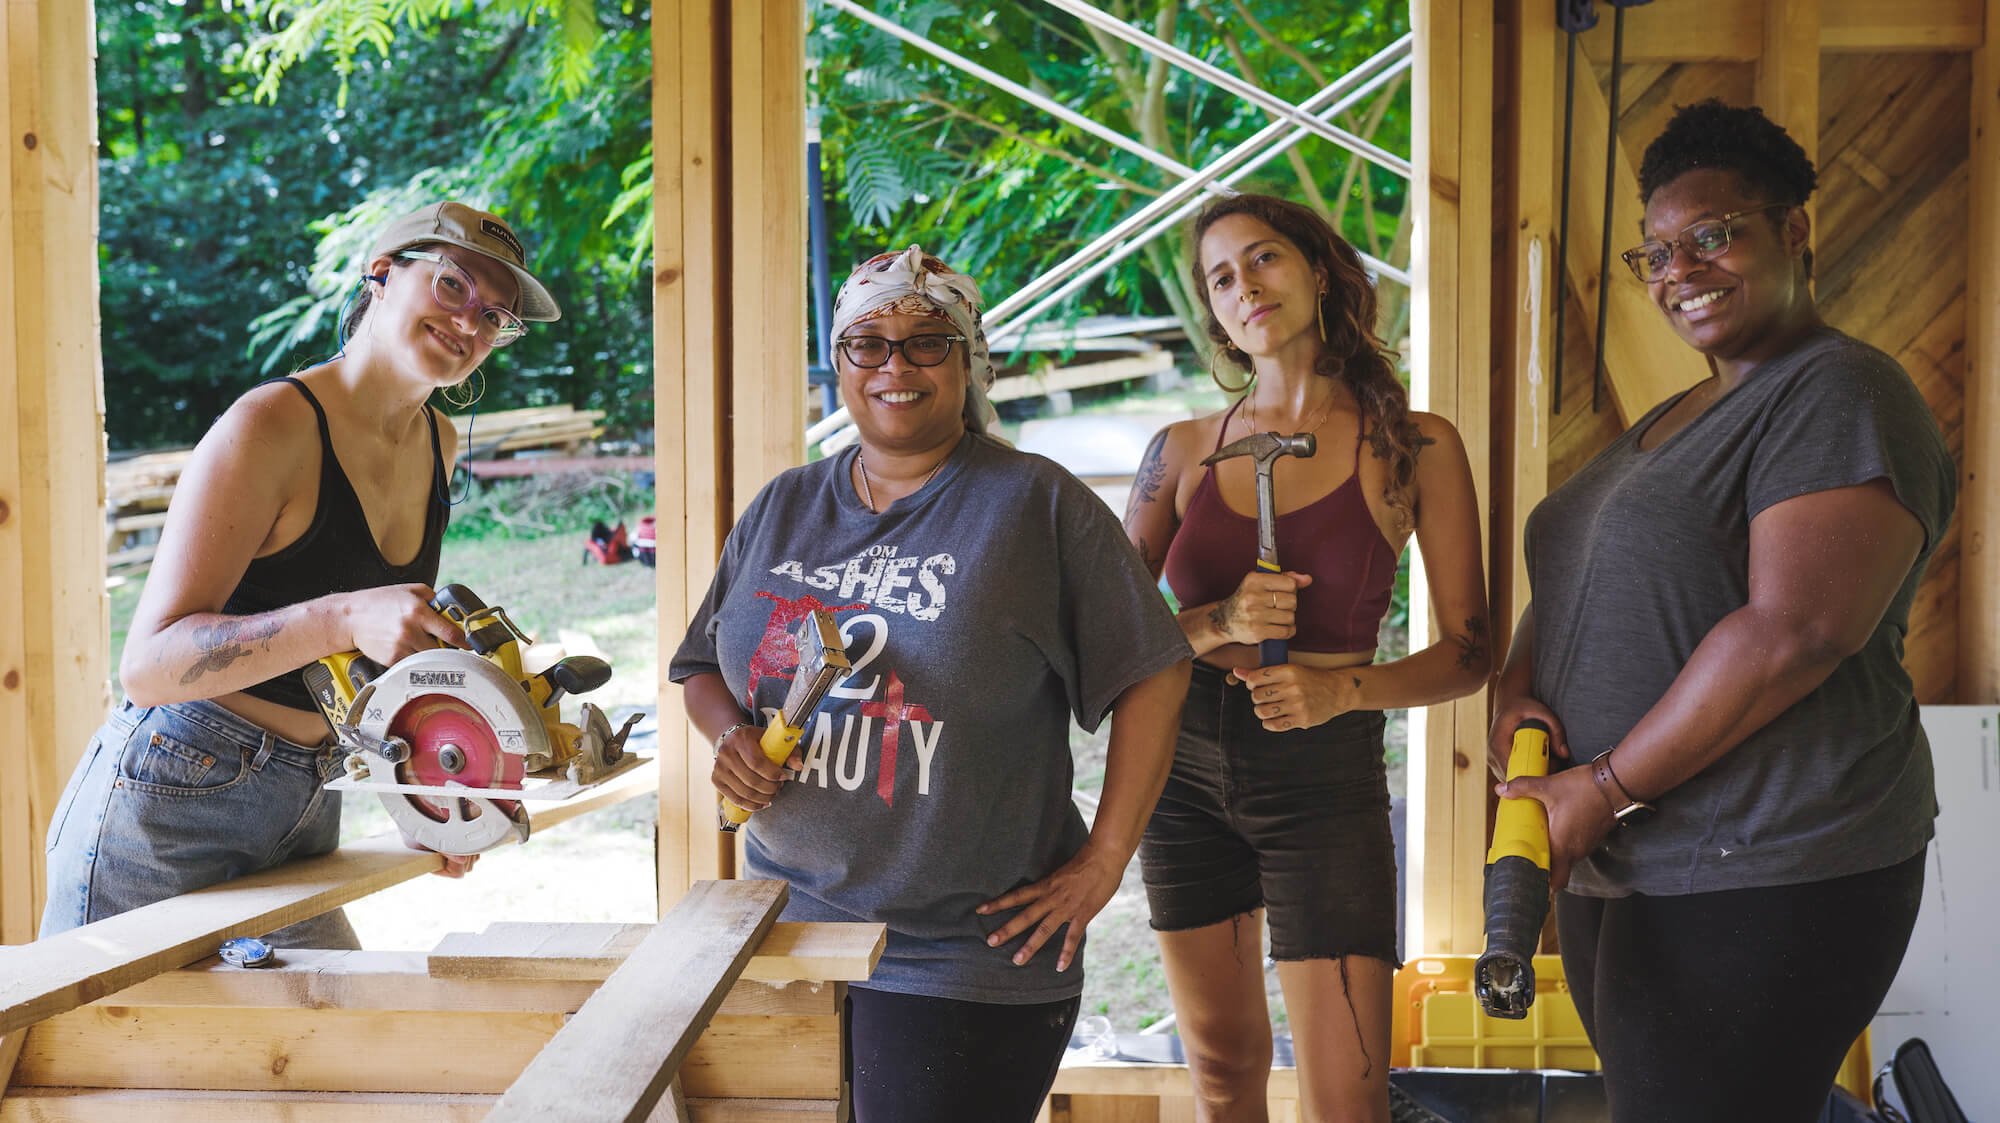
(1297, 115)
(1350, 88)
(1039, 101)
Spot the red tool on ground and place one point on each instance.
(606, 545)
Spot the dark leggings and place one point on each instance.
(914, 1059)
(1734, 1005)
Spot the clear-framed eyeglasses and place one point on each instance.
(871, 351)
(455, 290)
(1704, 241)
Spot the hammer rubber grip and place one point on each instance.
(777, 742)
(1271, 652)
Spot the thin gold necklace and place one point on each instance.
(868, 489)
(1325, 410)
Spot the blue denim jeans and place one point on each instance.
(170, 799)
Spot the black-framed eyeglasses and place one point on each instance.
(1704, 241)
(454, 290)
(871, 351)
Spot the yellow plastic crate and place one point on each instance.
(1438, 1022)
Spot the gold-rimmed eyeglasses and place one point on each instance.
(1704, 241)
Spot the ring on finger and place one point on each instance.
(1274, 598)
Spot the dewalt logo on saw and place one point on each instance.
(437, 678)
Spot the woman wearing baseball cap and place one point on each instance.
(307, 522)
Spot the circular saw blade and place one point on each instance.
(451, 743)
(449, 703)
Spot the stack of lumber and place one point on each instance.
(136, 491)
(486, 435)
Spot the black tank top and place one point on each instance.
(336, 554)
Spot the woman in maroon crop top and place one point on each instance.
(1278, 803)
(307, 522)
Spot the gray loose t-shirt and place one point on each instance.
(1641, 553)
(981, 613)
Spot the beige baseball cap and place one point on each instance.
(455, 224)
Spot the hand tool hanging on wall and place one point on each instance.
(1576, 17)
(822, 662)
(1517, 885)
(1264, 449)
(448, 737)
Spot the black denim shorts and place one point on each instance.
(1294, 822)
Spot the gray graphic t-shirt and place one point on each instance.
(1642, 552)
(980, 613)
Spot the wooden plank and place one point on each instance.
(273, 1049)
(400, 980)
(1435, 133)
(1081, 376)
(767, 137)
(1979, 514)
(1521, 396)
(50, 976)
(1671, 31)
(791, 951)
(53, 639)
(1788, 70)
(78, 1105)
(1644, 361)
(1880, 26)
(1119, 1078)
(690, 356)
(635, 1031)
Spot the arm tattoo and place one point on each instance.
(1218, 616)
(1472, 645)
(1152, 472)
(223, 644)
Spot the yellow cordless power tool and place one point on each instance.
(1517, 885)
(822, 662)
(445, 735)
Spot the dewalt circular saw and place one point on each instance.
(454, 741)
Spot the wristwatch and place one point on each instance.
(1624, 808)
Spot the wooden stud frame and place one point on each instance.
(1979, 512)
(729, 313)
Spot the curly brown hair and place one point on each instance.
(1352, 352)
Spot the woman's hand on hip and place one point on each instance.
(395, 621)
(1508, 714)
(1072, 895)
(1579, 817)
(744, 775)
(1289, 696)
(1264, 606)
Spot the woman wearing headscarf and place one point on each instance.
(1716, 637)
(986, 598)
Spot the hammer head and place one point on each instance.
(1266, 447)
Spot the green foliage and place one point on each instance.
(339, 29)
(231, 229)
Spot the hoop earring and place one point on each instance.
(1319, 314)
(1217, 378)
(465, 401)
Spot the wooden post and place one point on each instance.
(54, 631)
(1979, 528)
(1788, 76)
(1452, 344)
(1521, 394)
(729, 331)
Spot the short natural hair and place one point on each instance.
(1739, 139)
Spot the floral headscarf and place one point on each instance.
(913, 283)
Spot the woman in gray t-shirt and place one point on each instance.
(986, 598)
(1720, 601)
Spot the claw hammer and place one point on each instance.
(1264, 449)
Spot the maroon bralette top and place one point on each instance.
(1334, 538)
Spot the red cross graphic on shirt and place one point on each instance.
(777, 653)
(892, 711)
